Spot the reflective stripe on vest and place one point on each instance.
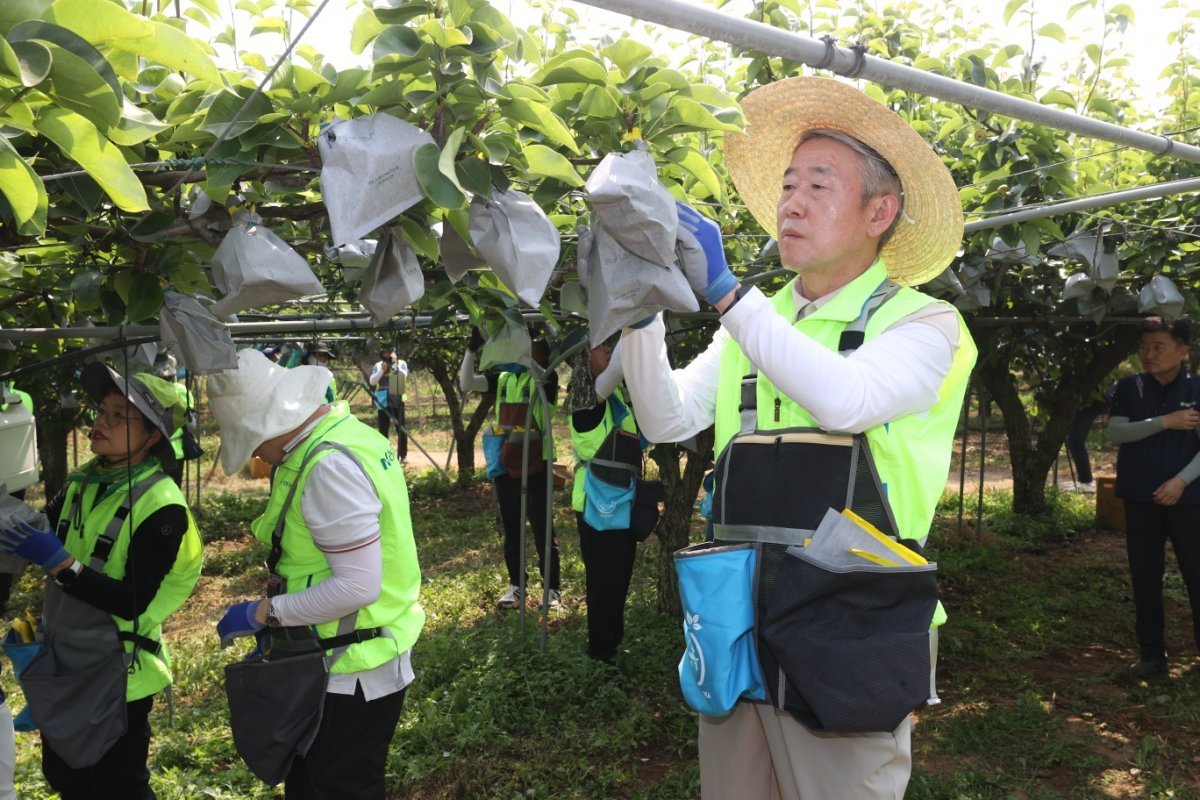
(912, 453)
(303, 565)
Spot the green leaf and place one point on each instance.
(575, 70)
(550, 163)
(475, 175)
(110, 24)
(136, 126)
(598, 101)
(542, 120)
(86, 289)
(398, 12)
(80, 88)
(28, 62)
(226, 105)
(1053, 31)
(23, 189)
(1057, 97)
(421, 237)
(73, 43)
(398, 41)
(443, 36)
(686, 114)
(436, 186)
(270, 25)
(627, 54)
(142, 293)
(82, 142)
(307, 80)
(449, 154)
(16, 11)
(1011, 8)
(366, 27)
(697, 165)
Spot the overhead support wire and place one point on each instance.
(853, 63)
(1086, 203)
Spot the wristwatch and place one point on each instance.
(272, 618)
(67, 575)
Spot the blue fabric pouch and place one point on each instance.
(720, 664)
(492, 442)
(607, 506)
(20, 654)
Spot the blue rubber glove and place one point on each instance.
(701, 255)
(238, 621)
(40, 547)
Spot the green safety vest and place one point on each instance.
(912, 454)
(517, 387)
(586, 444)
(303, 565)
(150, 672)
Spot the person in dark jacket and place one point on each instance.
(1154, 419)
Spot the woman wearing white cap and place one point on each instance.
(123, 554)
(343, 576)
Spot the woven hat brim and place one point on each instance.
(925, 240)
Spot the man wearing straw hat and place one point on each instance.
(862, 209)
(343, 562)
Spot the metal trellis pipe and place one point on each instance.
(758, 36)
(1151, 192)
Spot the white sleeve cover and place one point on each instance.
(342, 511)
(468, 379)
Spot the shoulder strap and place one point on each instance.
(108, 538)
(852, 338)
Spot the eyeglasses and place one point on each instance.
(112, 419)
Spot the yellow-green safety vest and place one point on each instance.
(586, 444)
(303, 565)
(185, 399)
(149, 672)
(517, 387)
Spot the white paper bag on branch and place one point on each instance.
(517, 240)
(254, 267)
(393, 281)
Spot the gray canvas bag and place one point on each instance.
(76, 687)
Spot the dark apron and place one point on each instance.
(75, 687)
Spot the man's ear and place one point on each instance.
(884, 208)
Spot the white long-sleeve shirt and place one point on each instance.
(890, 376)
(341, 508)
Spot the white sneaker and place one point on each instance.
(1086, 488)
(512, 598)
(555, 600)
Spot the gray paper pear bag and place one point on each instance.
(623, 288)
(367, 172)
(517, 240)
(201, 341)
(393, 281)
(457, 256)
(1160, 296)
(634, 207)
(254, 267)
(510, 345)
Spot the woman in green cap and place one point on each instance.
(123, 553)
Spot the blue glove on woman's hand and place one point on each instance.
(39, 547)
(701, 255)
(239, 620)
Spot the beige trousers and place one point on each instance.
(757, 753)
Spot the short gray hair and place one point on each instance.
(878, 176)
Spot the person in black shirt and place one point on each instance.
(1154, 419)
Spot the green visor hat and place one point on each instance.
(155, 398)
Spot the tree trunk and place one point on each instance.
(682, 485)
(464, 432)
(1033, 453)
(54, 429)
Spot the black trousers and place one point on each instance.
(508, 495)
(1076, 443)
(1148, 526)
(348, 759)
(121, 772)
(608, 567)
(384, 418)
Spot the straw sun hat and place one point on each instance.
(928, 235)
(261, 400)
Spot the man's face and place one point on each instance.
(1161, 356)
(822, 222)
